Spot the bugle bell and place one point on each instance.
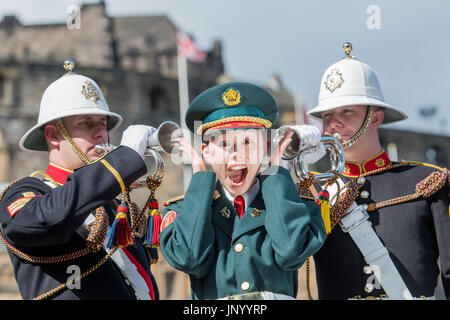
(294, 151)
(337, 160)
(165, 138)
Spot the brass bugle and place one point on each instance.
(294, 151)
(165, 139)
(337, 160)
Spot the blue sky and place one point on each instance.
(299, 39)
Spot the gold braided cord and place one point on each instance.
(86, 273)
(94, 242)
(266, 123)
(308, 278)
(52, 259)
(425, 188)
(98, 229)
(347, 144)
(424, 164)
(306, 187)
(68, 138)
(136, 216)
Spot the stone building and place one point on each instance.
(416, 146)
(134, 60)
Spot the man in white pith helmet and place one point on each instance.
(390, 221)
(54, 222)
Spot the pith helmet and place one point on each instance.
(350, 82)
(70, 95)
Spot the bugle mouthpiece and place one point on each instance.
(104, 148)
(337, 136)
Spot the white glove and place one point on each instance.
(136, 137)
(311, 136)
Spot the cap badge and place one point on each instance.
(334, 80)
(231, 97)
(90, 91)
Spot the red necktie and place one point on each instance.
(239, 204)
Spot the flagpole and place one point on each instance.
(298, 105)
(183, 91)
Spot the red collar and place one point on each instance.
(355, 169)
(59, 174)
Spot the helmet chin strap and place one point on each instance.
(75, 148)
(350, 142)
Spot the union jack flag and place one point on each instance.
(187, 48)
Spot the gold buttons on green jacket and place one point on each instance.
(238, 247)
(245, 285)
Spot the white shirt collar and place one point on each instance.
(248, 197)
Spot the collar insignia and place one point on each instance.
(379, 162)
(28, 194)
(225, 212)
(255, 212)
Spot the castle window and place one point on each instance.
(6, 92)
(158, 99)
(431, 154)
(392, 151)
(2, 87)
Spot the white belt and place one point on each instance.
(387, 298)
(357, 225)
(261, 295)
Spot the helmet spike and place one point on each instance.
(347, 48)
(69, 65)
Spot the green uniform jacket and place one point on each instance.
(225, 255)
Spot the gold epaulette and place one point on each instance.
(425, 188)
(170, 201)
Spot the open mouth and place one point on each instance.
(237, 175)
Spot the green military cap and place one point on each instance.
(232, 105)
